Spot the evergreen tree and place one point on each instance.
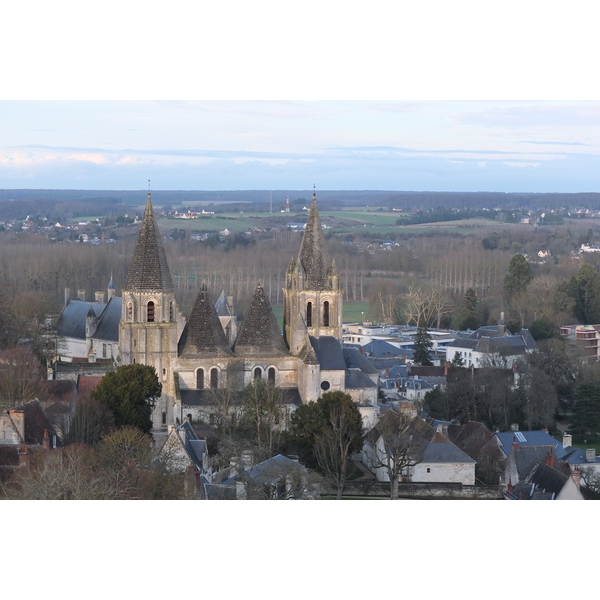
(130, 393)
(586, 412)
(518, 276)
(586, 289)
(421, 347)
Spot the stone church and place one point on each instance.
(211, 350)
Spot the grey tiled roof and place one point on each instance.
(108, 324)
(149, 270)
(260, 333)
(203, 334)
(445, 452)
(329, 353)
(528, 438)
(72, 319)
(311, 251)
(354, 359)
(356, 380)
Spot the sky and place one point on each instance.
(507, 146)
(249, 96)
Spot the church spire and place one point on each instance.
(149, 270)
(311, 250)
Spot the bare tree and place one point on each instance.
(334, 444)
(399, 447)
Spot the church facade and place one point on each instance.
(208, 352)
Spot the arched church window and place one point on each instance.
(257, 373)
(309, 314)
(150, 312)
(200, 379)
(214, 378)
(325, 314)
(171, 311)
(272, 375)
(130, 311)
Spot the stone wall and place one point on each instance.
(421, 491)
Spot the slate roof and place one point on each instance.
(108, 323)
(490, 340)
(329, 353)
(71, 322)
(355, 360)
(356, 380)
(205, 397)
(221, 306)
(440, 449)
(529, 438)
(260, 334)
(203, 334)
(310, 258)
(149, 270)
(527, 458)
(381, 348)
(36, 422)
(269, 471)
(577, 456)
(547, 479)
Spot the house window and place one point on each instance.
(150, 312)
(429, 469)
(200, 379)
(214, 378)
(272, 375)
(309, 314)
(103, 350)
(257, 373)
(164, 418)
(325, 314)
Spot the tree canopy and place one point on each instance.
(130, 393)
(518, 276)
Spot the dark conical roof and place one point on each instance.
(260, 333)
(203, 333)
(149, 270)
(311, 251)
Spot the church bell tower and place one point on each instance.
(312, 296)
(150, 319)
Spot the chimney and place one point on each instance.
(590, 455)
(567, 440)
(46, 440)
(81, 295)
(514, 427)
(510, 487)
(446, 367)
(550, 459)
(576, 475)
(23, 456)
(67, 295)
(230, 303)
(99, 296)
(247, 459)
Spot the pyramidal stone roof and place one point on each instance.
(260, 333)
(203, 333)
(149, 270)
(311, 250)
